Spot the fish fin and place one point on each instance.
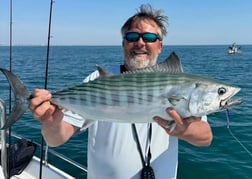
(87, 124)
(21, 95)
(170, 65)
(102, 72)
(174, 100)
(172, 125)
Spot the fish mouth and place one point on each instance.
(229, 102)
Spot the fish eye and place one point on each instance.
(221, 91)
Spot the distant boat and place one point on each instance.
(234, 49)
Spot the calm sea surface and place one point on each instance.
(227, 157)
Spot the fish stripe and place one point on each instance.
(123, 89)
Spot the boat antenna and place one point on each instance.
(46, 81)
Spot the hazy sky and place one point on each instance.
(81, 22)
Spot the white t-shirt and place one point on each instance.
(113, 153)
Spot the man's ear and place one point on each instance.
(160, 47)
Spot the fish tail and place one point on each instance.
(21, 95)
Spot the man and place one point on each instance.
(116, 150)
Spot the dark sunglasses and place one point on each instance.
(147, 36)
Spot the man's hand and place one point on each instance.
(54, 129)
(192, 129)
(40, 105)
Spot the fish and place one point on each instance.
(134, 96)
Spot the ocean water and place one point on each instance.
(229, 155)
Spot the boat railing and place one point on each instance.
(57, 154)
(3, 140)
(47, 149)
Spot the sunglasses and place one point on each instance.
(147, 36)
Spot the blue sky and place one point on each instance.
(81, 22)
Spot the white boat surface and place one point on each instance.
(32, 171)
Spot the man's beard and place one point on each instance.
(136, 63)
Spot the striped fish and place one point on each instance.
(136, 96)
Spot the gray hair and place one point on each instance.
(147, 12)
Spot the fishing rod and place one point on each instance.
(10, 68)
(45, 84)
